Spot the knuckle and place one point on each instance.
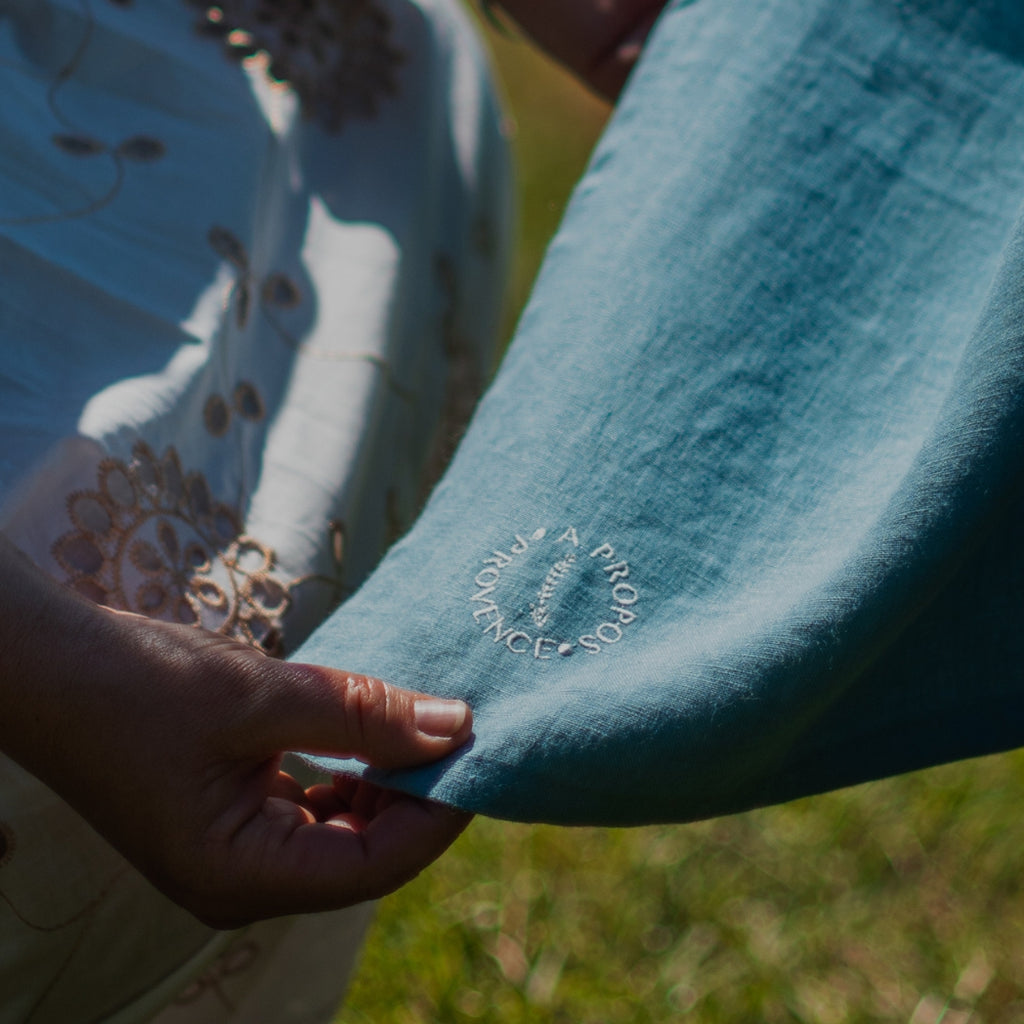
(366, 701)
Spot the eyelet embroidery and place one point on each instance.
(337, 56)
(152, 539)
(246, 403)
(275, 294)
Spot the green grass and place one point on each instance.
(554, 124)
(898, 901)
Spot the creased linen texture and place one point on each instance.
(740, 518)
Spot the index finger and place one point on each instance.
(285, 864)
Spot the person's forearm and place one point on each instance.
(45, 633)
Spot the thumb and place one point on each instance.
(317, 710)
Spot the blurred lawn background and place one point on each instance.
(898, 901)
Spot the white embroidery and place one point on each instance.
(539, 612)
(506, 572)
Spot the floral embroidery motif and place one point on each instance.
(152, 539)
(281, 291)
(230, 963)
(229, 248)
(245, 402)
(337, 56)
(75, 142)
(217, 415)
(276, 293)
(140, 148)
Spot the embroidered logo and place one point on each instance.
(531, 598)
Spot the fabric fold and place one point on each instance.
(739, 520)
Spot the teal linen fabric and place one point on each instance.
(740, 518)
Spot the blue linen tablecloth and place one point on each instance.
(740, 518)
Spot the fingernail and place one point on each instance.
(440, 717)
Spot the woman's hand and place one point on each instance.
(599, 40)
(169, 739)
